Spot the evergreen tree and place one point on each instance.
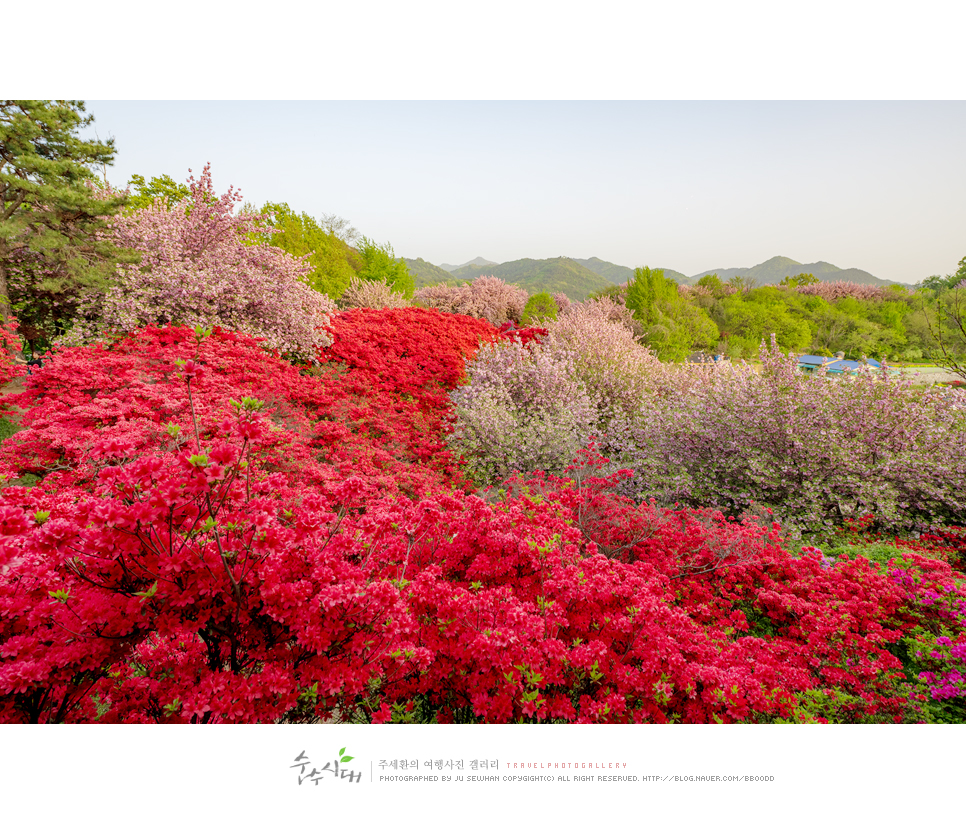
(51, 212)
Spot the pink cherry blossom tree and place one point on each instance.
(204, 264)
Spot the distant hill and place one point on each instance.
(425, 273)
(617, 274)
(579, 277)
(478, 261)
(774, 270)
(562, 274)
(620, 274)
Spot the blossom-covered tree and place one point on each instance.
(199, 266)
(371, 294)
(487, 298)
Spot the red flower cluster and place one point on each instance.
(9, 347)
(218, 536)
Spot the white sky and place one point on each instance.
(692, 136)
(681, 184)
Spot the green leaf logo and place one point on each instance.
(343, 757)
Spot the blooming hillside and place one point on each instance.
(213, 534)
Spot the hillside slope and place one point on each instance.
(562, 274)
(477, 261)
(425, 273)
(774, 270)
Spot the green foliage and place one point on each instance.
(938, 283)
(946, 320)
(142, 194)
(960, 274)
(887, 326)
(749, 319)
(333, 261)
(539, 308)
(614, 292)
(380, 264)
(51, 215)
(425, 273)
(673, 327)
(943, 309)
(714, 284)
(7, 428)
(800, 279)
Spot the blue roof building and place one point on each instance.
(835, 365)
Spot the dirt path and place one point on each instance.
(930, 375)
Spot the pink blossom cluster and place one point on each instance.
(522, 408)
(486, 297)
(816, 450)
(831, 291)
(370, 294)
(200, 265)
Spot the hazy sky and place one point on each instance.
(683, 185)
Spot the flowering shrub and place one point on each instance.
(187, 584)
(401, 365)
(563, 302)
(371, 294)
(840, 288)
(613, 368)
(200, 267)
(521, 409)
(380, 419)
(9, 348)
(534, 405)
(929, 570)
(149, 448)
(218, 536)
(488, 298)
(814, 450)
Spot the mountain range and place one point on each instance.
(774, 270)
(579, 277)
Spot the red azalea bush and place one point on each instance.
(218, 536)
(381, 420)
(9, 347)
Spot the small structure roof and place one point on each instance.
(836, 364)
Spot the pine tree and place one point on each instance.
(51, 213)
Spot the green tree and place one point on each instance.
(334, 262)
(800, 279)
(714, 284)
(51, 211)
(142, 193)
(539, 307)
(673, 327)
(750, 319)
(614, 292)
(945, 318)
(380, 264)
(938, 283)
